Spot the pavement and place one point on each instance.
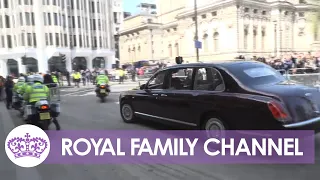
(82, 110)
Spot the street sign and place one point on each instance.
(198, 44)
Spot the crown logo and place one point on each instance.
(27, 146)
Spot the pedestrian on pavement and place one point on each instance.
(133, 74)
(77, 78)
(2, 82)
(9, 84)
(88, 76)
(121, 76)
(83, 77)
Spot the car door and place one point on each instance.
(174, 99)
(145, 102)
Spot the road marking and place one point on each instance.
(77, 92)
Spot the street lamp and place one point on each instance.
(196, 26)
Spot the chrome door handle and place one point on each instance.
(154, 94)
(164, 95)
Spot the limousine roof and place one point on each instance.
(224, 63)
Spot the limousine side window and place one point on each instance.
(157, 81)
(180, 79)
(208, 79)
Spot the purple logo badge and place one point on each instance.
(27, 146)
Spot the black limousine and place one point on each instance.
(230, 95)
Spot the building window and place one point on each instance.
(57, 39)
(301, 14)
(23, 41)
(79, 22)
(51, 38)
(64, 21)
(95, 44)
(205, 42)
(263, 34)
(28, 18)
(245, 41)
(61, 40)
(1, 26)
(65, 40)
(34, 40)
(29, 39)
(73, 22)
(6, 4)
(47, 39)
(204, 16)
(9, 41)
(55, 16)
(2, 42)
(100, 42)
(246, 10)
(80, 41)
(177, 49)
(286, 13)
(54, 2)
(214, 13)
(193, 18)
(216, 41)
(254, 39)
(74, 41)
(98, 7)
(264, 12)
(21, 19)
(7, 19)
(49, 19)
(92, 7)
(45, 19)
(32, 19)
(255, 11)
(170, 50)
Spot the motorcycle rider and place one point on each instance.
(28, 83)
(36, 92)
(102, 79)
(17, 89)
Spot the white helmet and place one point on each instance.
(38, 78)
(21, 79)
(101, 72)
(30, 78)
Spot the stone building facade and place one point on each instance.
(226, 28)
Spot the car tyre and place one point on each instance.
(127, 113)
(214, 127)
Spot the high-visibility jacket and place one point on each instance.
(102, 79)
(36, 92)
(54, 78)
(24, 87)
(18, 86)
(121, 73)
(77, 76)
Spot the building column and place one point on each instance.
(68, 63)
(3, 67)
(21, 67)
(89, 62)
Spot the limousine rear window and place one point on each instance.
(259, 72)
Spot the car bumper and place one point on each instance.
(311, 124)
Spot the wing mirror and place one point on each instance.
(143, 86)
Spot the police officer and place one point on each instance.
(54, 78)
(101, 79)
(37, 91)
(18, 86)
(28, 83)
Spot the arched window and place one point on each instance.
(263, 35)
(245, 40)
(216, 41)
(177, 49)
(170, 50)
(205, 42)
(254, 39)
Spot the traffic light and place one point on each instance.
(179, 60)
(63, 57)
(24, 60)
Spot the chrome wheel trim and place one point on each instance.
(214, 128)
(127, 112)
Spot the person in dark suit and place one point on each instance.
(9, 91)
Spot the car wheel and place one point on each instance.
(127, 113)
(214, 127)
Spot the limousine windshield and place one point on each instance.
(253, 74)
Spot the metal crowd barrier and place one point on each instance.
(306, 76)
(54, 92)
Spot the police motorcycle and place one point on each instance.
(43, 113)
(103, 91)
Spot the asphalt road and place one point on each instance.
(82, 110)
